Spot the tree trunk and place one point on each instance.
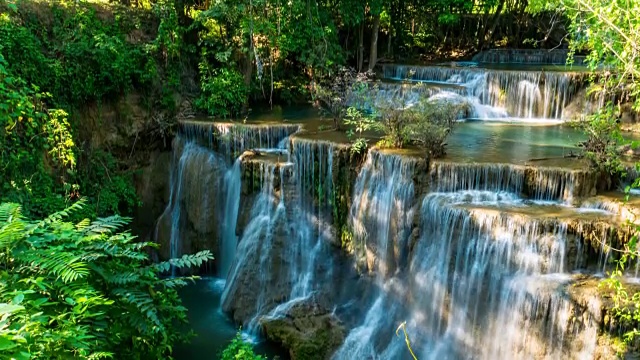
(489, 31)
(373, 54)
(248, 73)
(361, 46)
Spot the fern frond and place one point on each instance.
(107, 225)
(67, 266)
(143, 302)
(11, 233)
(122, 279)
(62, 214)
(9, 212)
(83, 224)
(100, 355)
(186, 261)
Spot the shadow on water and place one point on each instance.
(213, 328)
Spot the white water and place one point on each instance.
(503, 95)
(228, 237)
(481, 283)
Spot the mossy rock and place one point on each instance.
(307, 330)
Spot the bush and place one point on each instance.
(238, 349)
(394, 114)
(426, 123)
(223, 91)
(433, 121)
(604, 138)
(85, 290)
(360, 124)
(334, 98)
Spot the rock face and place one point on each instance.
(153, 188)
(187, 225)
(307, 330)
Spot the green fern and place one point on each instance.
(86, 289)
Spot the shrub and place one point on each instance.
(343, 89)
(238, 349)
(223, 91)
(433, 121)
(604, 138)
(85, 290)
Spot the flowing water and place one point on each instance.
(480, 254)
(495, 94)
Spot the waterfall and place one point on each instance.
(268, 221)
(194, 181)
(206, 183)
(285, 245)
(380, 215)
(231, 188)
(539, 183)
(498, 93)
(480, 260)
(381, 218)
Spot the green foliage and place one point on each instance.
(333, 98)
(432, 123)
(114, 193)
(604, 139)
(359, 124)
(71, 53)
(86, 289)
(223, 91)
(238, 349)
(36, 145)
(394, 114)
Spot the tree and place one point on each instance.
(86, 290)
(609, 31)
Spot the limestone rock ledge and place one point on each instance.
(309, 331)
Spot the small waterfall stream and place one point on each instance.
(493, 94)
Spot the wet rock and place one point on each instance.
(309, 331)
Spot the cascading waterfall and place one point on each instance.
(191, 162)
(287, 237)
(545, 184)
(231, 187)
(480, 280)
(206, 182)
(381, 218)
(268, 216)
(481, 266)
(498, 93)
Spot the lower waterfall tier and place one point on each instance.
(327, 254)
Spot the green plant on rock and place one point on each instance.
(239, 349)
(86, 290)
(604, 139)
(359, 124)
(394, 114)
(432, 122)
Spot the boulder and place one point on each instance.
(307, 330)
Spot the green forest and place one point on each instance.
(91, 91)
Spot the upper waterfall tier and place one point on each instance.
(234, 138)
(509, 93)
(527, 56)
